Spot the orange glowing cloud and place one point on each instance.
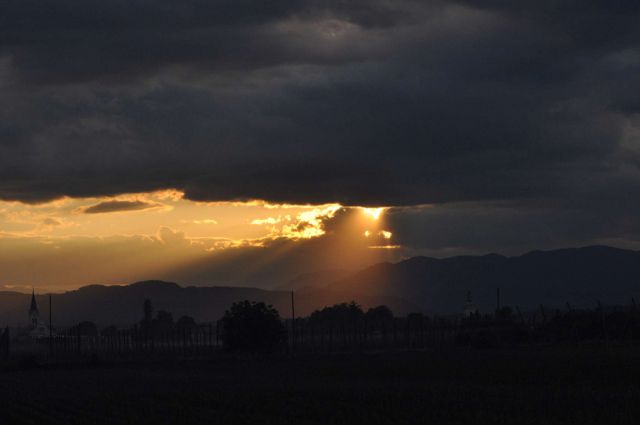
(305, 225)
(147, 234)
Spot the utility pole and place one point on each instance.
(497, 299)
(293, 323)
(50, 328)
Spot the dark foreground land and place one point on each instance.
(587, 385)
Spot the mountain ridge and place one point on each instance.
(123, 304)
(439, 285)
(580, 276)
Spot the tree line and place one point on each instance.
(258, 327)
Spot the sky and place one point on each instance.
(241, 142)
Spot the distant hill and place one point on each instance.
(581, 276)
(123, 305)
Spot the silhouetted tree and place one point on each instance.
(379, 318)
(342, 320)
(5, 344)
(339, 315)
(186, 323)
(85, 328)
(147, 318)
(252, 326)
(505, 314)
(415, 321)
(109, 331)
(148, 310)
(163, 322)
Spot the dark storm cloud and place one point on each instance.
(116, 206)
(362, 102)
(69, 41)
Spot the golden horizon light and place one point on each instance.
(148, 234)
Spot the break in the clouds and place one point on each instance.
(116, 206)
(520, 118)
(58, 245)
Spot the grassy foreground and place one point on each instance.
(520, 386)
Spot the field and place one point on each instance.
(588, 385)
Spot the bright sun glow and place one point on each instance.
(374, 213)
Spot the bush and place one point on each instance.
(85, 328)
(109, 331)
(251, 326)
(186, 323)
(379, 318)
(339, 315)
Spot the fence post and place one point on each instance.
(50, 328)
(5, 344)
(395, 334)
(293, 323)
(217, 334)
(79, 348)
(330, 345)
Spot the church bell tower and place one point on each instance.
(34, 314)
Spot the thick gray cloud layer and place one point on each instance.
(533, 104)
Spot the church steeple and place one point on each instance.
(34, 305)
(34, 314)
